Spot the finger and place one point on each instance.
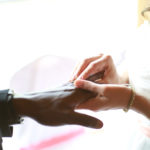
(99, 81)
(94, 67)
(90, 86)
(81, 66)
(84, 120)
(96, 77)
(102, 80)
(74, 73)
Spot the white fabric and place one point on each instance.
(139, 60)
(139, 75)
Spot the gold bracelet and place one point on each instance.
(132, 97)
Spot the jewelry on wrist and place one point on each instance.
(131, 100)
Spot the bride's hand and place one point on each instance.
(109, 96)
(101, 63)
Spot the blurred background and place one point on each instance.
(72, 28)
(40, 38)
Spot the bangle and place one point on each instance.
(131, 100)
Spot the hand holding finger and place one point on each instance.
(94, 67)
(103, 64)
(83, 65)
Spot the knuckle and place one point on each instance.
(108, 57)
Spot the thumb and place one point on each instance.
(85, 120)
(87, 85)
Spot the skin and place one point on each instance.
(48, 108)
(112, 93)
(101, 63)
(55, 108)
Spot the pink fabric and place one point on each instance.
(54, 141)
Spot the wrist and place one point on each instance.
(125, 97)
(131, 99)
(21, 104)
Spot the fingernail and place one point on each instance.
(98, 80)
(98, 125)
